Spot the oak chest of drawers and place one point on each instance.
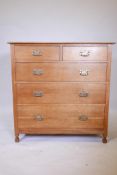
(61, 88)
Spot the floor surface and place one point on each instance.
(57, 155)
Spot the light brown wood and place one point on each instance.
(61, 93)
(61, 110)
(61, 71)
(56, 123)
(61, 131)
(95, 53)
(24, 53)
(14, 94)
(107, 94)
(48, 131)
(58, 43)
(60, 116)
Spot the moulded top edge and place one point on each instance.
(32, 42)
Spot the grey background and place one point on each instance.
(54, 20)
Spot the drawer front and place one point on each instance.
(24, 123)
(60, 116)
(41, 93)
(36, 53)
(85, 53)
(61, 71)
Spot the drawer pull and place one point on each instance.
(83, 94)
(38, 71)
(36, 53)
(38, 94)
(84, 53)
(83, 118)
(83, 72)
(39, 118)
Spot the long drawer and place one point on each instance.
(73, 123)
(74, 93)
(36, 53)
(85, 53)
(60, 116)
(61, 71)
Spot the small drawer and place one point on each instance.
(61, 72)
(85, 53)
(36, 53)
(56, 116)
(74, 93)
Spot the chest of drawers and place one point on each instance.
(61, 88)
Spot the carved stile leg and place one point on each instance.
(17, 138)
(104, 140)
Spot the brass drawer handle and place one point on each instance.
(36, 53)
(38, 72)
(85, 53)
(83, 94)
(84, 72)
(39, 117)
(83, 118)
(38, 94)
